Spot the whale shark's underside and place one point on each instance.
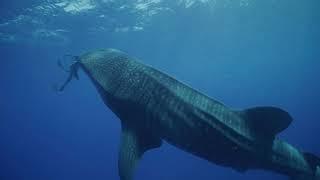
(153, 107)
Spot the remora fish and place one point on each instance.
(153, 106)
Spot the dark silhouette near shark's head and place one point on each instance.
(153, 107)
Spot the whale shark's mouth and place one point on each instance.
(72, 70)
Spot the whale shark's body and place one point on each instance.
(153, 106)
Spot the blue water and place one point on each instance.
(244, 53)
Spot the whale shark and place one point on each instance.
(154, 107)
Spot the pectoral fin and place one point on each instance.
(133, 145)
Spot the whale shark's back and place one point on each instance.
(125, 77)
(314, 163)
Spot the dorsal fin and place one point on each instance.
(133, 144)
(267, 121)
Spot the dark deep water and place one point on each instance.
(243, 53)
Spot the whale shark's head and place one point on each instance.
(104, 67)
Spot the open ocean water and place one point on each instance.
(243, 53)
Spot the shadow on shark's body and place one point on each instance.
(153, 106)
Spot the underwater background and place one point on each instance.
(243, 53)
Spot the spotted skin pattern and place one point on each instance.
(153, 106)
